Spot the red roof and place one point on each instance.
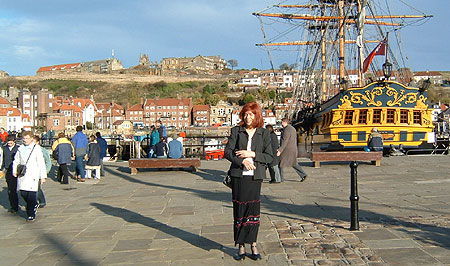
(58, 67)
(202, 107)
(66, 107)
(4, 101)
(428, 73)
(10, 112)
(136, 107)
(83, 102)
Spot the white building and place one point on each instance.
(88, 109)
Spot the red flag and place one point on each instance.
(379, 50)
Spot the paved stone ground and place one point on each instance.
(182, 218)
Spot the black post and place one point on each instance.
(203, 145)
(354, 198)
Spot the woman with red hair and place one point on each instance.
(249, 150)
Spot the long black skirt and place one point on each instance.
(246, 209)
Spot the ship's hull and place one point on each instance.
(344, 122)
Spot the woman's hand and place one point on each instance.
(248, 165)
(245, 154)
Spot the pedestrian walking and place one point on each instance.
(80, 144)
(274, 170)
(93, 158)
(249, 150)
(9, 151)
(63, 153)
(48, 166)
(3, 135)
(288, 151)
(29, 156)
(103, 148)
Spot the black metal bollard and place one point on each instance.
(354, 198)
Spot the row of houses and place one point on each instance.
(287, 80)
(40, 109)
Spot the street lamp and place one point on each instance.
(387, 70)
(425, 85)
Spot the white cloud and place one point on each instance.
(28, 52)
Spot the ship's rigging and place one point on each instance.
(331, 38)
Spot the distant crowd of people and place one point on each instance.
(25, 164)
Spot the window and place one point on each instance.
(390, 117)
(376, 116)
(348, 118)
(417, 117)
(362, 117)
(404, 116)
(56, 122)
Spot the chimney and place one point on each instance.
(142, 101)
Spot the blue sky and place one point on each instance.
(48, 32)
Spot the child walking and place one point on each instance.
(93, 158)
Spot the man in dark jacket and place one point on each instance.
(9, 151)
(375, 141)
(274, 170)
(80, 143)
(288, 150)
(103, 147)
(64, 150)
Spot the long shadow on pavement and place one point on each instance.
(72, 258)
(134, 217)
(424, 232)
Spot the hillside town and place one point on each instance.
(41, 110)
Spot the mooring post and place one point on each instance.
(354, 198)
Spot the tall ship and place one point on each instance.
(346, 72)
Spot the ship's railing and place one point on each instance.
(439, 145)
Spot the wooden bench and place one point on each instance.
(346, 156)
(192, 163)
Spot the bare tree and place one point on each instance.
(233, 63)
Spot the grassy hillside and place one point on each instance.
(201, 91)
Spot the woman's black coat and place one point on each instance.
(261, 145)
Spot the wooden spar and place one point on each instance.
(341, 17)
(323, 18)
(309, 43)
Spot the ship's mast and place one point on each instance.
(359, 39)
(341, 43)
(334, 15)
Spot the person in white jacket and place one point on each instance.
(31, 156)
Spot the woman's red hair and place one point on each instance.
(256, 110)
